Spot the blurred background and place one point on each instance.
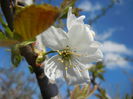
(112, 21)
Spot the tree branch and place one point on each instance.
(99, 89)
(8, 12)
(48, 89)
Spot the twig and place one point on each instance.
(93, 81)
(103, 12)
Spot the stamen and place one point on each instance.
(59, 52)
(66, 55)
(73, 53)
(59, 59)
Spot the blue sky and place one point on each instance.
(114, 31)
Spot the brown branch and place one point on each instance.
(8, 12)
(48, 89)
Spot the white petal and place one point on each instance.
(90, 49)
(77, 75)
(78, 37)
(98, 56)
(72, 20)
(95, 57)
(27, 2)
(53, 68)
(39, 44)
(54, 38)
(91, 33)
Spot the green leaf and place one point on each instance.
(31, 69)
(8, 32)
(99, 65)
(16, 58)
(101, 77)
(100, 71)
(2, 36)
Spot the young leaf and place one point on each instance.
(15, 56)
(82, 93)
(101, 77)
(34, 19)
(31, 69)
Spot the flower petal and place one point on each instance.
(77, 74)
(90, 49)
(39, 44)
(53, 68)
(90, 32)
(78, 37)
(54, 38)
(95, 57)
(71, 19)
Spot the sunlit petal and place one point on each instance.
(54, 38)
(72, 20)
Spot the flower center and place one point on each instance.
(66, 56)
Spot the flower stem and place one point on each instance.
(49, 52)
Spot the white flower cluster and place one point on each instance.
(75, 49)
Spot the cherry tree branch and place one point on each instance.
(47, 88)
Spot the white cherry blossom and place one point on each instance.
(27, 2)
(75, 49)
